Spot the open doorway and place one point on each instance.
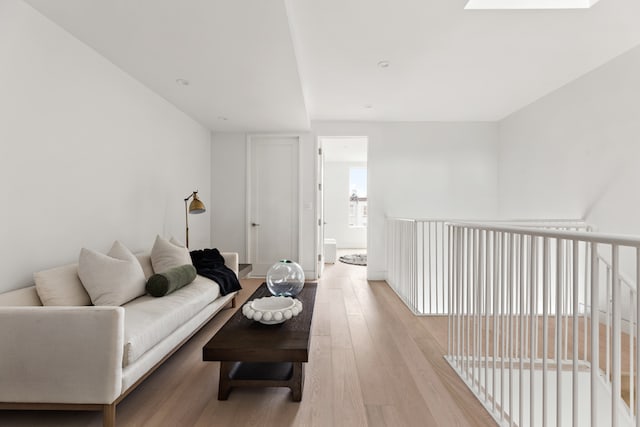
(342, 200)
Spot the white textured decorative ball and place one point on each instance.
(272, 310)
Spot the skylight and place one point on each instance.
(530, 4)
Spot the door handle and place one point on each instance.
(253, 224)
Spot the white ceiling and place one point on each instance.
(272, 65)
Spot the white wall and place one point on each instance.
(87, 154)
(444, 170)
(228, 177)
(575, 152)
(336, 206)
(228, 192)
(423, 170)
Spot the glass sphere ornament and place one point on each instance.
(285, 278)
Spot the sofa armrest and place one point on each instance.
(231, 260)
(61, 354)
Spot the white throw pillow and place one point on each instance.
(167, 254)
(112, 279)
(61, 286)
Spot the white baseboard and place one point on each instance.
(376, 275)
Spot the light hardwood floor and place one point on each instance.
(372, 363)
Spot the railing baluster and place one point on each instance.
(436, 309)
(414, 268)
(444, 277)
(487, 301)
(521, 323)
(576, 284)
(427, 276)
(496, 304)
(558, 328)
(449, 285)
(453, 284)
(631, 349)
(502, 324)
(608, 331)
(595, 334)
(615, 386)
(566, 295)
(459, 293)
(468, 289)
(545, 327)
(532, 309)
(476, 296)
(479, 301)
(637, 324)
(510, 284)
(586, 297)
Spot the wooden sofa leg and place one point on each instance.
(109, 415)
(233, 302)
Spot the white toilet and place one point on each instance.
(330, 251)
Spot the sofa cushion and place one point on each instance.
(149, 320)
(61, 286)
(161, 284)
(111, 279)
(145, 261)
(24, 297)
(167, 254)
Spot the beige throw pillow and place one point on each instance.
(167, 254)
(61, 286)
(112, 279)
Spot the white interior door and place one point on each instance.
(273, 201)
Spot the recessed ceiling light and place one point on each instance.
(530, 4)
(223, 118)
(368, 106)
(384, 64)
(182, 82)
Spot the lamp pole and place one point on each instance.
(186, 220)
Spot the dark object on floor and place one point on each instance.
(355, 259)
(210, 264)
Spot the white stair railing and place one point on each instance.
(417, 258)
(628, 299)
(416, 263)
(526, 332)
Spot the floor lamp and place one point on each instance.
(195, 207)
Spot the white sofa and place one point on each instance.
(91, 357)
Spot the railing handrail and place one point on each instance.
(579, 222)
(592, 237)
(420, 277)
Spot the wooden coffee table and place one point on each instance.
(255, 355)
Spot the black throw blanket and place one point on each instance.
(210, 264)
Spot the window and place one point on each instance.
(357, 197)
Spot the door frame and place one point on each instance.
(319, 255)
(249, 190)
(320, 193)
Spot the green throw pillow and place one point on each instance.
(168, 281)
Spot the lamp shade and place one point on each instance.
(196, 206)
